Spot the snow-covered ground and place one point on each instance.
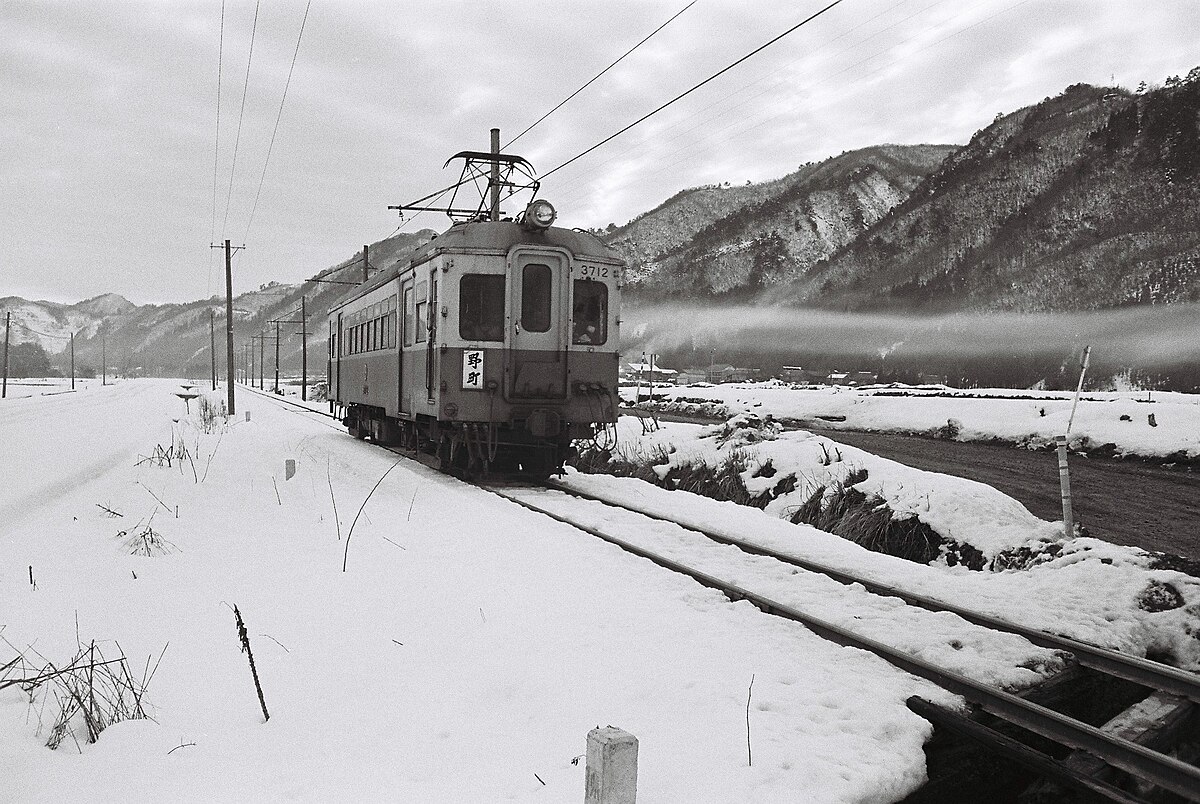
(45, 386)
(1030, 418)
(470, 644)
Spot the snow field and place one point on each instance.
(1032, 422)
(518, 634)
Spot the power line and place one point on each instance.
(682, 95)
(602, 72)
(33, 331)
(216, 143)
(241, 114)
(278, 117)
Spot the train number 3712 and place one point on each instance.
(597, 272)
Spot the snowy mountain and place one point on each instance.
(722, 240)
(1087, 200)
(175, 339)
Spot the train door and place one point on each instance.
(431, 313)
(535, 362)
(407, 339)
(338, 350)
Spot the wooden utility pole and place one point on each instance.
(72, 361)
(7, 320)
(104, 359)
(229, 324)
(212, 344)
(276, 357)
(262, 339)
(303, 350)
(366, 263)
(494, 181)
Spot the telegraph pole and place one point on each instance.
(7, 319)
(72, 361)
(366, 263)
(262, 361)
(212, 344)
(276, 357)
(229, 323)
(104, 359)
(303, 351)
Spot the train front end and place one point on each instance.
(526, 342)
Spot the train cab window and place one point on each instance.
(590, 313)
(422, 321)
(536, 286)
(481, 307)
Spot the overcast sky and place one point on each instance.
(108, 115)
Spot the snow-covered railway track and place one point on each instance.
(1153, 675)
(1156, 768)
(1152, 766)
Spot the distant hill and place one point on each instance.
(1088, 200)
(723, 240)
(174, 339)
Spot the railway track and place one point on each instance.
(1176, 691)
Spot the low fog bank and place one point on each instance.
(1146, 346)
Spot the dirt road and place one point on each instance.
(1125, 502)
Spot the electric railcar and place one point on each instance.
(494, 346)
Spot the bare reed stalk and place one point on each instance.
(749, 753)
(166, 507)
(332, 499)
(276, 485)
(245, 638)
(349, 533)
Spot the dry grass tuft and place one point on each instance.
(85, 696)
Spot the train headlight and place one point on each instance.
(540, 214)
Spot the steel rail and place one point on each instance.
(1156, 768)
(1136, 669)
(1154, 675)
(1144, 763)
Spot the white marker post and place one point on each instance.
(611, 767)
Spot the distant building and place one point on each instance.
(801, 376)
(718, 374)
(645, 372)
(852, 378)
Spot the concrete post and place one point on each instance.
(1064, 480)
(611, 767)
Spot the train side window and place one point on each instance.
(481, 307)
(422, 321)
(409, 317)
(536, 286)
(590, 313)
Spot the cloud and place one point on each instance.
(107, 121)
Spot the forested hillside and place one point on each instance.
(730, 241)
(1088, 200)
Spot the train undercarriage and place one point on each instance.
(533, 447)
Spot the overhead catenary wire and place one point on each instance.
(216, 147)
(744, 126)
(597, 75)
(241, 115)
(18, 322)
(684, 94)
(743, 99)
(438, 194)
(278, 117)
